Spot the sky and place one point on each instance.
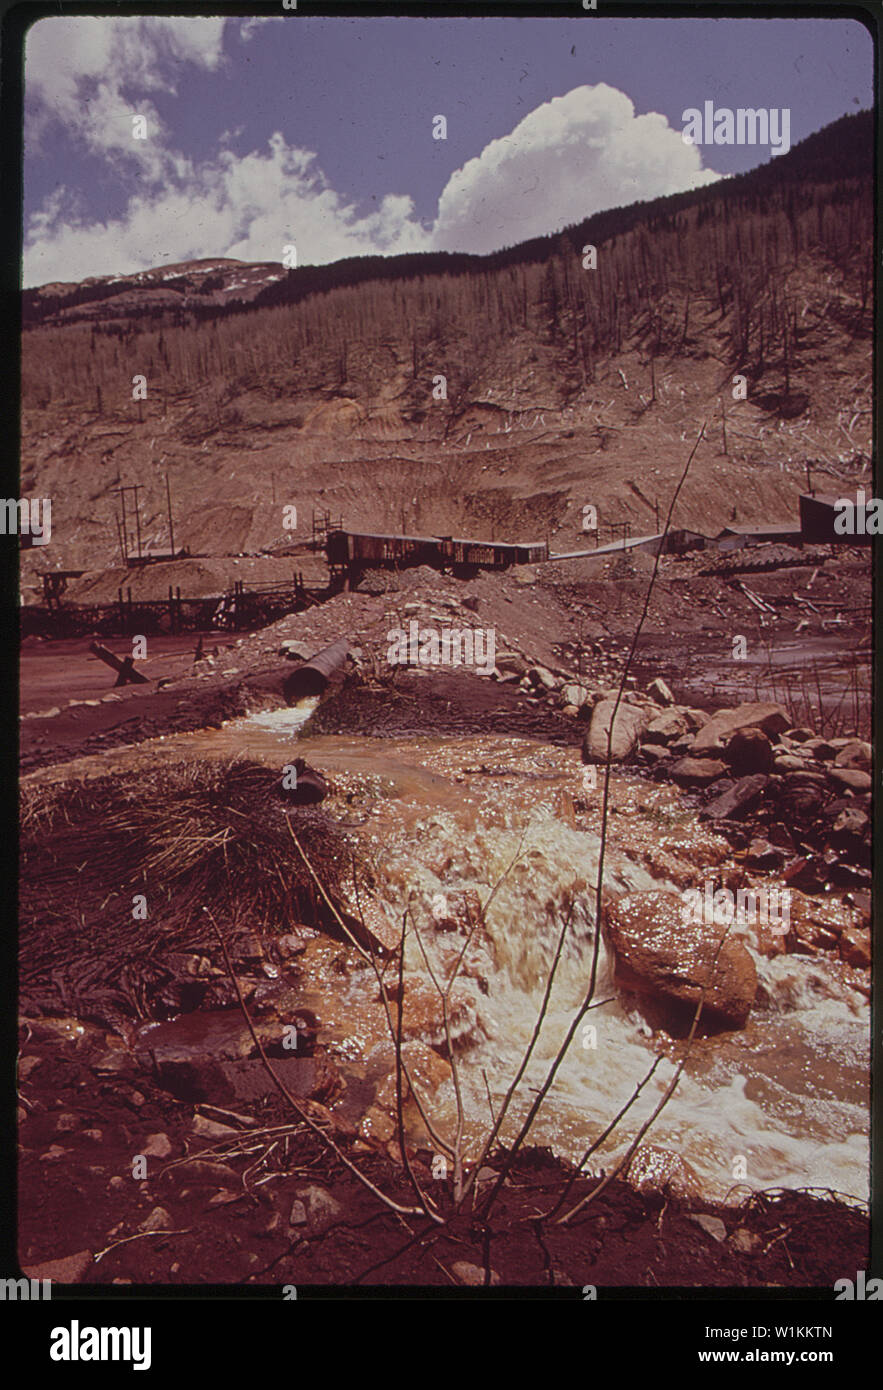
(315, 132)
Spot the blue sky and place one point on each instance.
(318, 132)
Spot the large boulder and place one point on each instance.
(666, 727)
(772, 719)
(627, 728)
(856, 755)
(851, 777)
(749, 750)
(697, 772)
(668, 962)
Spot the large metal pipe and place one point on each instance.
(313, 677)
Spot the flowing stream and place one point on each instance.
(783, 1101)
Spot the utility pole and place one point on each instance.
(136, 488)
(122, 495)
(122, 490)
(171, 526)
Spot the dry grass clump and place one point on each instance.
(186, 835)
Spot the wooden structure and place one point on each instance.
(240, 608)
(55, 584)
(349, 553)
(817, 517)
(156, 557)
(125, 668)
(782, 532)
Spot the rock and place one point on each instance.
(681, 746)
(762, 855)
(800, 735)
(737, 800)
(512, 662)
(696, 772)
(861, 901)
(377, 1124)
(855, 947)
(297, 1215)
(294, 942)
(570, 711)
(749, 750)
(654, 1170)
(661, 957)
(802, 795)
(788, 762)
(158, 1220)
(539, 676)
(851, 777)
(771, 718)
(307, 1078)
(575, 695)
(53, 1154)
(157, 1146)
(95, 1136)
(666, 727)
(627, 728)
(851, 821)
(659, 691)
(654, 753)
(111, 1062)
(26, 1065)
(66, 1123)
(696, 718)
(473, 1275)
(820, 749)
(183, 963)
(68, 1270)
(296, 650)
(212, 1129)
(712, 1224)
(745, 1241)
(321, 1208)
(856, 754)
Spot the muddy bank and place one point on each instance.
(137, 713)
(252, 1197)
(157, 1059)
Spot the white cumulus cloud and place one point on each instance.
(570, 157)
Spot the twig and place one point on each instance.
(140, 1235)
(310, 1123)
(586, 1004)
